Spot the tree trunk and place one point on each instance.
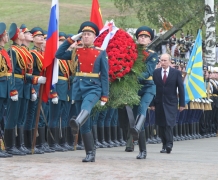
(210, 43)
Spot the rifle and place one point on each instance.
(157, 41)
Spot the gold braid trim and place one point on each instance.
(3, 65)
(20, 61)
(73, 62)
(39, 64)
(63, 69)
(38, 60)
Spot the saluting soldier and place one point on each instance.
(144, 36)
(7, 87)
(91, 81)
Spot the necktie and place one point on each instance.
(165, 77)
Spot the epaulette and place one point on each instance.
(98, 48)
(151, 51)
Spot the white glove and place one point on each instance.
(55, 100)
(72, 102)
(41, 80)
(103, 103)
(33, 97)
(14, 98)
(76, 37)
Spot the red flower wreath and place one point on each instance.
(121, 51)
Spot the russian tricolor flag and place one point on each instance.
(50, 62)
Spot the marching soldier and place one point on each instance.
(144, 36)
(7, 88)
(91, 81)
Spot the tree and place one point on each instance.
(173, 10)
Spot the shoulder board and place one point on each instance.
(151, 51)
(98, 48)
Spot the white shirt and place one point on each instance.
(167, 72)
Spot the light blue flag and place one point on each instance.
(194, 80)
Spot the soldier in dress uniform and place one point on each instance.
(29, 92)
(19, 58)
(38, 56)
(144, 36)
(7, 87)
(72, 111)
(91, 81)
(58, 106)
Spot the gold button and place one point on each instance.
(91, 64)
(95, 56)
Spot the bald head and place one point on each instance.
(165, 60)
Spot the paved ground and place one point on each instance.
(193, 159)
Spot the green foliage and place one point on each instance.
(125, 90)
(173, 10)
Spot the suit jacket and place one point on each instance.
(166, 101)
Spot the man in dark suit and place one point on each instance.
(167, 81)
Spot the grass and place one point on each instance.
(36, 13)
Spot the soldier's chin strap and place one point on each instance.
(46, 122)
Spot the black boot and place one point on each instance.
(184, 131)
(197, 130)
(114, 135)
(177, 135)
(129, 142)
(120, 136)
(153, 140)
(95, 137)
(4, 154)
(174, 134)
(89, 147)
(70, 139)
(63, 140)
(142, 146)
(52, 142)
(140, 120)
(187, 131)
(41, 143)
(79, 121)
(101, 137)
(80, 145)
(107, 133)
(147, 132)
(9, 135)
(180, 132)
(194, 131)
(57, 137)
(20, 141)
(28, 138)
(190, 130)
(157, 135)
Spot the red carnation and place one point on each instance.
(121, 51)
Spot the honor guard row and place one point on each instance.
(67, 121)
